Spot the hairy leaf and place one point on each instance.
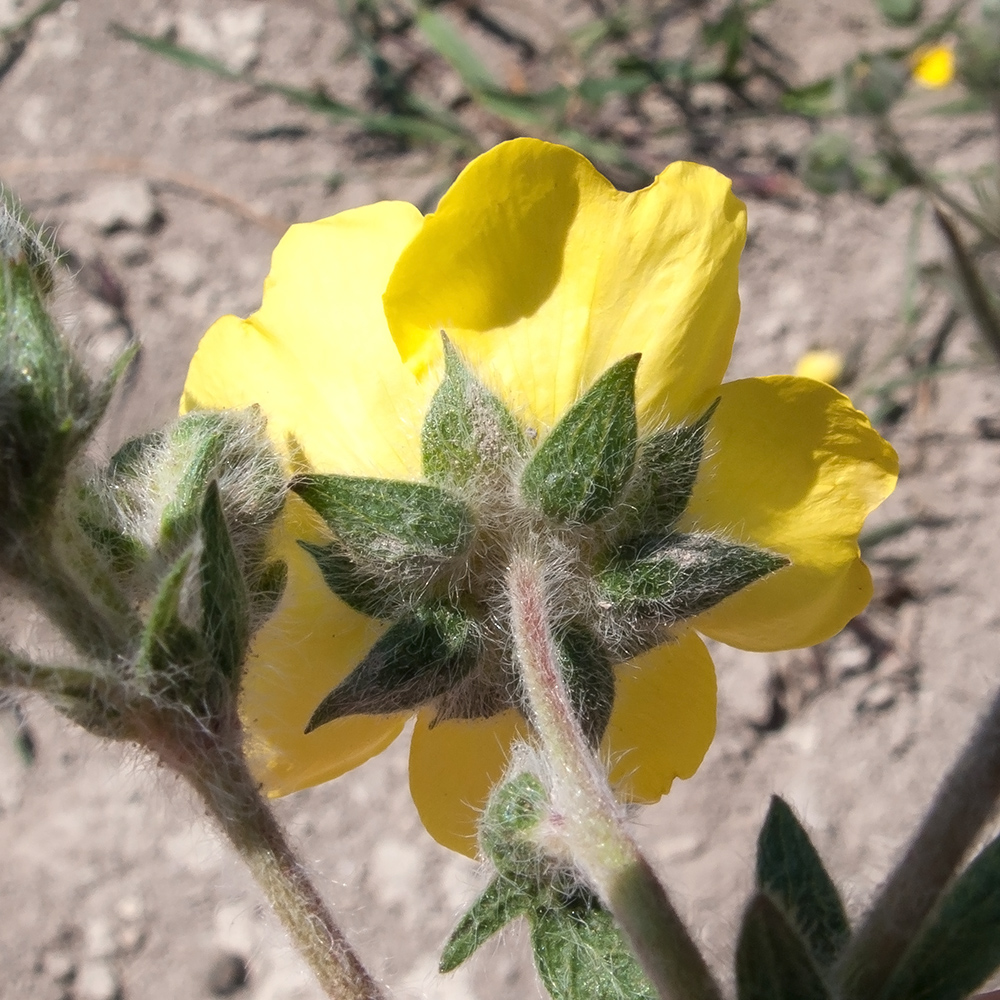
(791, 872)
(772, 961)
(958, 946)
(502, 901)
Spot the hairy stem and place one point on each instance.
(591, 820)
(216, 768)
(964, 802)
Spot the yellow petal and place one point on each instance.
(302, 652)
(317, 356)
(822, 365)
(544, 275)
(933, 66)
(794, 468)
(663, 720)
(453, 767)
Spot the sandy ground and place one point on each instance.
(111, 881)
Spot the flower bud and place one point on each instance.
(47, 406)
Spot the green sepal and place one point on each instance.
(581, 955)
(665, 472)
(958, 946)
(589, 676)
(467, 430)
(167, 642)
(502, 901)
(419, 658)
(580, 470)
(364, 591)
(772, 960)
(225, 603)
(680, 576)
(195, 442)
(269, 589)
(389, 521)
(790, 871)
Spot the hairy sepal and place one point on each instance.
(418, 659)
(580, 470)
(468, 435)
(388, 524)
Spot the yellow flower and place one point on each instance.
(824, 366)
(543, 276)
(933, 66)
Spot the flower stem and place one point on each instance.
(964, 802)
(591, 820)
(216, 768)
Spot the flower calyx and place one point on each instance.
(595, 503)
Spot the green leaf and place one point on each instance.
(665, 473)
(590, 678)
(417, 660)
(166, 641)
(389, 519)
(814, 100)
(958, 946)
(514, 809)
(772, 961)
(225, 604)
(901, 12)
(450, 45)
(366, 592)
(502, 901)
(791, 872)
(467, 428)
(581, 955)
(581, 468)
(827, 164)
(682, 575)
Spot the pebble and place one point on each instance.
(99, 939)
(131, 249)
(232, 36)
(183, 269)
(96, 980)
(122, 204)
(848, 657)
(59, 967)
(879, 697)
(228, 973)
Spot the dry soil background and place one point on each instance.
(112, 884)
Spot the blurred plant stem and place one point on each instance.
(586, 815)
(964, 802)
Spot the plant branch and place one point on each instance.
(215, 766)
(590, 820)
(964, 802)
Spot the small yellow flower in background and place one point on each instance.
(933, 66)
(824, 366)
(543, 277)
